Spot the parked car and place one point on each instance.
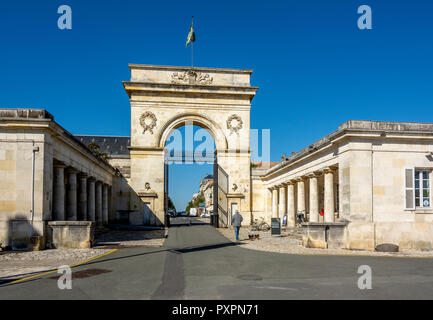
(205, 215)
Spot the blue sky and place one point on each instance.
(314, 67)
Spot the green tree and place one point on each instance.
(171, 204)
(196, 202)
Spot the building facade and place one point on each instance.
(48, 175)
(206, 189)
(367, 183)
(371, 180)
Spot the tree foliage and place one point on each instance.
(171, 204)
(196, 202)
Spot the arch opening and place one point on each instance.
(188, 180)
(195, 120)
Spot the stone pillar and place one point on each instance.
(301, 196)
(71, 204)
(329, 206)
(82, 197)
(314, 198)
(282, 202)
(105, 204)
(59, 193)
(99, 202)
(91, 214)
(291, 204)
(274, 203)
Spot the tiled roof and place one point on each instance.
(110, 145)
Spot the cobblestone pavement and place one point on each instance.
(15, 264)
(290, 242)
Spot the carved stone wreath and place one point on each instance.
(234, 123)
(191, 77)
(148, 121)
(147, 186)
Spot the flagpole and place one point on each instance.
(192, 44)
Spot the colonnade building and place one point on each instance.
(368, 183)
(48, 176)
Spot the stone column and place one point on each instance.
(82, 198)
(329, 195)
(282, 202)
(91, 214)
(59, 193)
(274, 203)
(71, 204)
(99, 202)
(314, 198)
(291, 204)
(301, 196)
(105, 204)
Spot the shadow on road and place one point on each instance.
(4, 282)
(185, 221)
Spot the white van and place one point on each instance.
(193, 212)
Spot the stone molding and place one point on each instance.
(191, 77)
(330, 169)
(144, 121)
(147, 194)
(71, 170)
(232, 126)
(235, 195)
(71, 223)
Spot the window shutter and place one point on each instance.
(409, 191)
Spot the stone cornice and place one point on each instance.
(137, 148)
(180, 68)
(181, 89)
(57, 131)
(373, 130)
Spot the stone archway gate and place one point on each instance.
(163, 99)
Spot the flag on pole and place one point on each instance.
(191, 35)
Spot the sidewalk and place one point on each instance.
(290, 242)
(16, 264)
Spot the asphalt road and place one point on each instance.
(197, 262)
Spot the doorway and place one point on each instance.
(233, 209)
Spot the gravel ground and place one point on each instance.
(16, 264)
(290, 242)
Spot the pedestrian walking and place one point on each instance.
(236, 223)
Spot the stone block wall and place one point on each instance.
(72, 234)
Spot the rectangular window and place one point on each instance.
(409, 190)
(422, 189)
